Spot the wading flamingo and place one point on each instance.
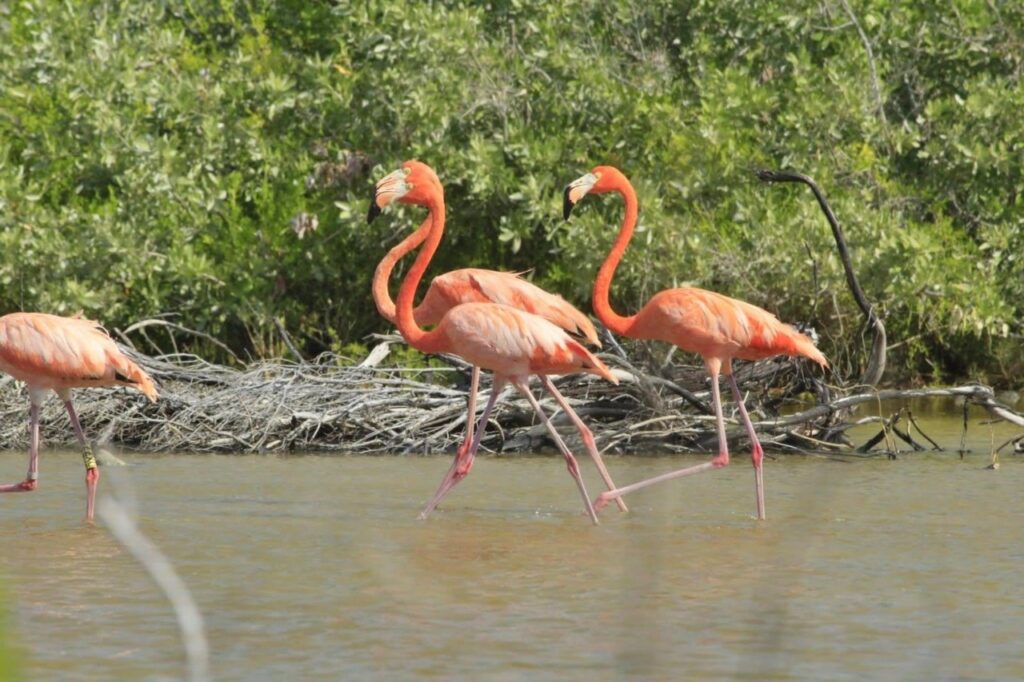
(511, 343)
(717, 327)
(474, 285)
(60, 353)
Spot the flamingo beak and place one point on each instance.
(575, 191)
(373, 212)
(390, 188)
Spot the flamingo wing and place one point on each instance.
(715, 325)
(512, 342)
(474, 285)
(511, 289)
(64, 352)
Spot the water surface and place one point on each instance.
(315, 568)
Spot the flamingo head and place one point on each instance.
(414, 183)
(598, 181)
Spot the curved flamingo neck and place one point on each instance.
(432, 341)
(602, 307)
(381, 277)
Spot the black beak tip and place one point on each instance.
(566, 203)
(373, 212)
(765, 175)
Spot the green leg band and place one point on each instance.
(88, 458)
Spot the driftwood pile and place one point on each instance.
(332, 404)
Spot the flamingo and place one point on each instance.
(513, 344)
(717, 327)
(49, 352)
(475, 285)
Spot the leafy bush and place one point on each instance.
(155, 156)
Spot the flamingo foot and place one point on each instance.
(459, 470)
(757, 457)
(26, 486)
(464, 467)
(574, 470)
(602, 501)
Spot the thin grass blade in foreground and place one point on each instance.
(190, 620)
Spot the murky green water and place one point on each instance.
(314, 568)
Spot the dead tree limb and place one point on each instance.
(876, 360)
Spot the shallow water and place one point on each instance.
(315, 568)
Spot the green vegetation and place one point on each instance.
(153, 156)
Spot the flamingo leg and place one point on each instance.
(717, 463)
(92, 472)
(474, 388)
(586, 435)
(570, 461)
(467, 452)
(29, 484)
(460, 453)
(758, 453)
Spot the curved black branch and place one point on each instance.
(876, 362)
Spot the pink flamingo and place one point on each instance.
(49, 352)
(717, 327)
(474, 285)
(510, 342)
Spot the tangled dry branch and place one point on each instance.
(331, 404)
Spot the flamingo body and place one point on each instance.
(515, 343)
(716, 326)
(61, 353)
(49, 352)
